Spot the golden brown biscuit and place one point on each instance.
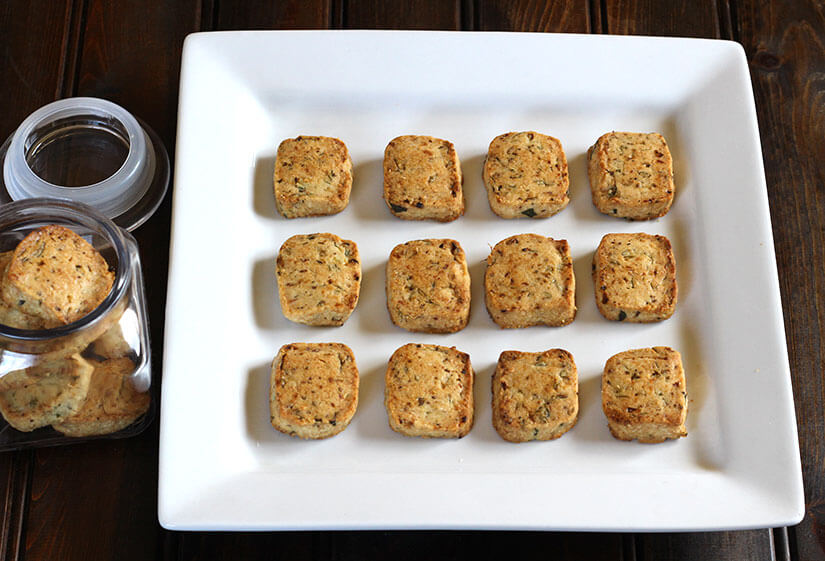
(44, 394)
(634, 276)
(429, 391)
(644, 396)
(112, 402)
(313, 176)
(529, 281)
(428, 286)
(525, 174)
(11, 315)
(313, 389)
(631, 175)
(111, 344)
(56, 275)
(535, 395)
(422, 179)
(319, 279)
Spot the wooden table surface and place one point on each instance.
(99, 500)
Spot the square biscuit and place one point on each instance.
(644, 395)
(634, 276)
(112, 402)
(428, 391)
(319, 279)
(313, 176)
(313, 390)
(46, 393)
(535, 395)
(525, 174)
(631, 175)
(56, 276)
(428, 286)
(422, 179)
(529, 281)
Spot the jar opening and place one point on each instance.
(77, 151)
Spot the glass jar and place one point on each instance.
(114, 331)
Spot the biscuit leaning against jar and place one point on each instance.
(51, 279)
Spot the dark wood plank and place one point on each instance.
(754, 545)
(534, 15)
(99, 500)
(414, 14)
(683, 18)
(784, 42)
(291, 14)
(33, 74)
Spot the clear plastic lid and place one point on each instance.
(91, 151)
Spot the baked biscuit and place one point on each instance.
(644, 395)
(631, 175)
(10, 315)
(422, 179)
(428, 286)
(525, 174)
(535, 395)
(635, 278)
(112, 402)
(44, 394)
(111, 344)
(429, 391)
(56, 275)
(313, 390)
(313, 176)
(319, 279)
(529, 281)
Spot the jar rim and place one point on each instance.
(45, 211)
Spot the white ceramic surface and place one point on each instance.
(222, 466)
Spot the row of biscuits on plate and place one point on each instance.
(528, 281)
(428, 392)
(525, 175)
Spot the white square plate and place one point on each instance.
(222, 466)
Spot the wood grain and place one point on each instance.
(785, 46)
(682, 18)
(413, 14)
(290, 14)
(533, 15)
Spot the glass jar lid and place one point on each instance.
(91, 151)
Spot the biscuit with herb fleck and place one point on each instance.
(644, 395)
(11, 315)
(313, 389)
(535, 395)
(529, 281)
(319, 279)
(45, 393)
(422, 179)
(112, 402)
(313, 176)
(428, 391)
(428, 286)
(634, 276)
(631, 175)
(525, 174)
(56, 275)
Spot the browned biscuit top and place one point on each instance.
(315, 384)
(526, 174)
(428, 391)
(428, 286)
(422, 178)
(313, 176)
(56, 275)
(645, 386)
